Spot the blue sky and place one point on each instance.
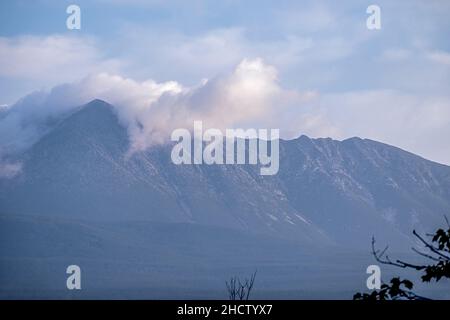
(390, 84)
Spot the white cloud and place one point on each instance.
(248, 95)
(28, 119)
(322, 48)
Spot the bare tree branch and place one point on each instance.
(427, 255)
(384, 259)
(240, 290)
(431, 247)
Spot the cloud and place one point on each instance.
(248, 95)
(324, 74)
(34, 114)
(192, 56)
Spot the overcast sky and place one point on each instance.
(307, 67)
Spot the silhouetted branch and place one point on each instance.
(430, 246)
(250, 284)
(383, 258)
(426, 255)
(238, 290)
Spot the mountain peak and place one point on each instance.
(356, 139)
(97, 103)
(94, 113)
(94, 123)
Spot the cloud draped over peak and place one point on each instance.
(249, 95)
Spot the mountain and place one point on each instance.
(81, 194)
(325, 190)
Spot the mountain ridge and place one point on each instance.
(326, 191)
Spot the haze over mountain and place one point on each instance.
(80, 194)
